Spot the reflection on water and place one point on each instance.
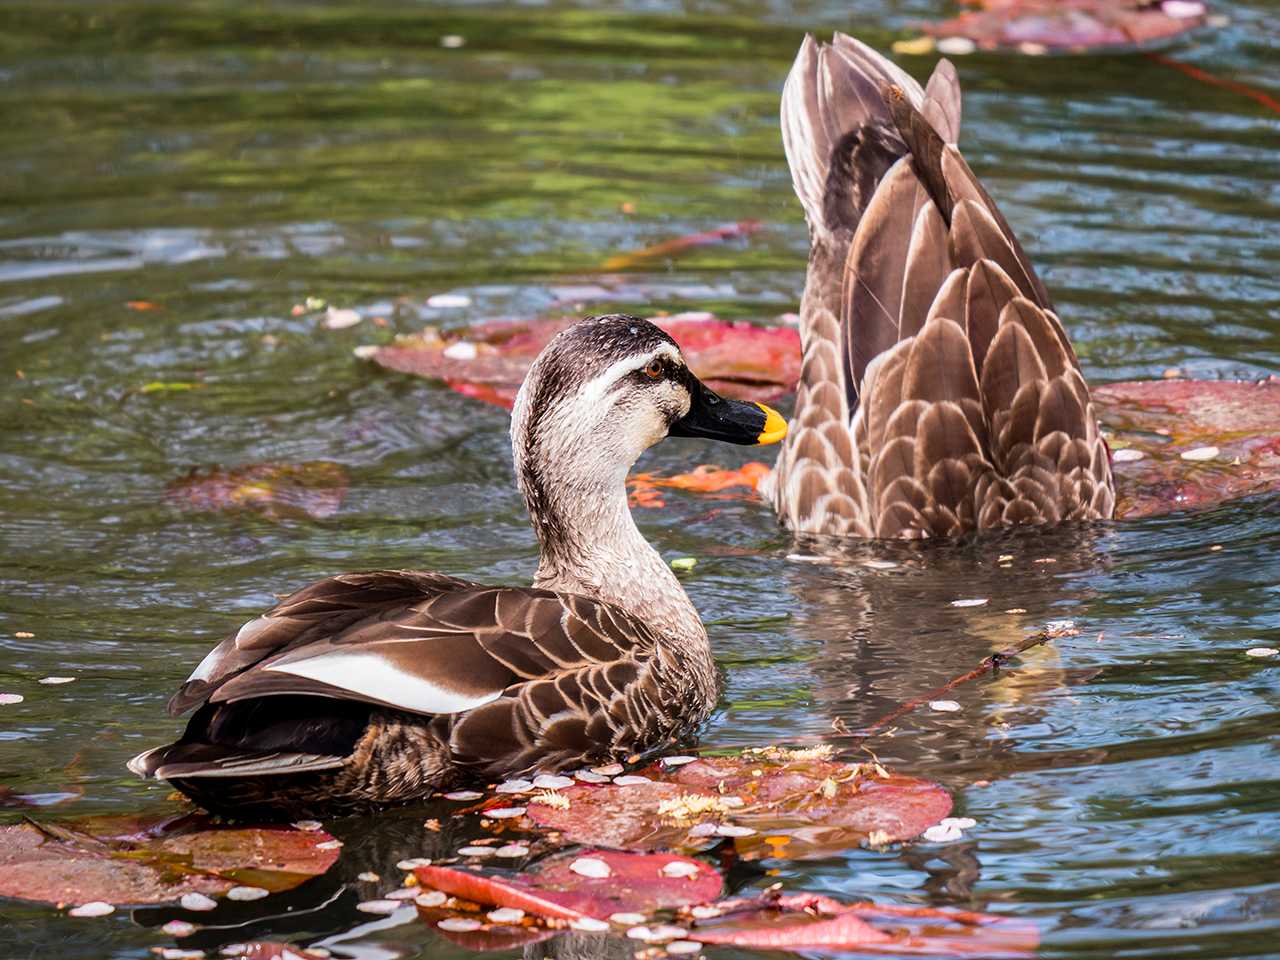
(176, 177)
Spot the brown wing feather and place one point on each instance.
(954, 377)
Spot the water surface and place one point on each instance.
(226, 161)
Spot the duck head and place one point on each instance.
(600, 394)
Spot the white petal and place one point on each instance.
(246, 893)
(94, 908)
(378, 906)
(591, 867)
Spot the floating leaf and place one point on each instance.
(739, 360)
(811, 922)
(785, 806)
(1038, 26)
(121, 860)
(635, 882)
(1174, 424)
(313, 489)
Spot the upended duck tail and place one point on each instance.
(926, 329)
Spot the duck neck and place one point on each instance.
(590, 545)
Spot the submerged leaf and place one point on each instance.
(125, 861)
(313, 489)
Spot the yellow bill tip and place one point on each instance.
(775, 428)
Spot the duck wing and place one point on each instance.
(935, 343)
(508, 676)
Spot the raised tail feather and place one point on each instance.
(939, 392)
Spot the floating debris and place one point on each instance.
(551, 798)
(1261, 652)
(734, 830)
(942, 834)
(631, 780)
(591, 867)
(56, 680)
(960, 823)
(463, 795)
(677, 761)
(462, 350)
(449, 301)
(197, 902)
(475, 851)
(588, 925)
(704, 912)
(412, 862)
(378, 906)
(547, 781)
(10, 698)
(511, 851)
(432, 898)
(975, 602)
(1127, 455)
(609, 770)
(404, 893)
(368, 877)
(679, 868)
(504, 813)
(329, 845)
(684, 564)
(336, 319)
(246, 893)
(944, 706)
(514, 786)
(506, 915)
(1200, 454)
(690, 807)
(309, 826)
(678, 947)
(640, 933)
(627, 919)
(956, 46)
(459, 924)
(179, 928)
(94, 908)
(586, 776)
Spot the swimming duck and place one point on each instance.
(939, 392)
(373, 688)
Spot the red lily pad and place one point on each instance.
(488, 361)
(1076, 26)
(278, 490)
(787, 804)
(1200, 442)
(636, 882)
(123, 860)
(811, 922)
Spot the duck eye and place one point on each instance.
(653, 369)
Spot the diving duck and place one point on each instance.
(367, 689)
(939, 392)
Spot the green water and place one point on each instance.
(226, 161)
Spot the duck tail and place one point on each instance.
(973, 409)
(967, 402)
(839, 135)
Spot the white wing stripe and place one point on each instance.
(374, 677)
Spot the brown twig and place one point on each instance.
(989, 665)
